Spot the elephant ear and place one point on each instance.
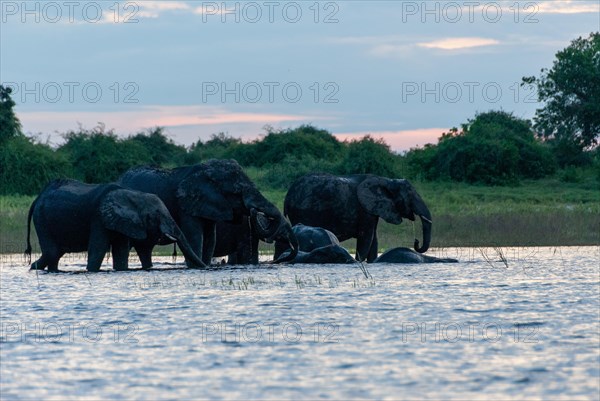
(375, 197)
(227, 174)
(200, 196)
(120, 211)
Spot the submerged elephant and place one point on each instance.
(309, 238)
(330, 254)
(350, 207)
(70, 216)
(407, 255)
(315, 245)
(199, 196)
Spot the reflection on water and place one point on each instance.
(510, 323)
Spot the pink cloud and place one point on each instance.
(190, 121)
(458, 43)
(400, 140)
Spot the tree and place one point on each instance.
(26, 166)
(369, 156)
(100, 156)
(494, 148)
(219, 146)
(303, 141)
(571, 93)
(10, 126)
(161, 149)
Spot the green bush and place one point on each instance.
(495, 148)
(160, 150)
(98, 156)
(369, 156)
(26, 166)
(276, 146)
(569, 153)
(571, 174)
(219, 146)
(281, 175)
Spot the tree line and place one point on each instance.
(492, 148)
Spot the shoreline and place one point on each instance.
(463, 254)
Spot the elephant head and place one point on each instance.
(274, 228)
(394, 199)
(142, 216)
(219, 190)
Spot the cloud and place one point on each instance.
(153, 9)
(117, 13)
(458, 43)
(399, 140)
(390, 45)
(567, 7)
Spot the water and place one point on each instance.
(473, 330)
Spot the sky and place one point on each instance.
(404, 71)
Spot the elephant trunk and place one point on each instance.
(294, 247)
(426, 222)
(177, 235)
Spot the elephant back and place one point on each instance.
(323, 200)
(157, 181)
(318, 192)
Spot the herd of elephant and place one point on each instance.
(213, 209)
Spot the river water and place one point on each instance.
(510, 323)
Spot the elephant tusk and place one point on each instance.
(426, 219)
(171, 237)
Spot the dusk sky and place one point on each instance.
(404, 71)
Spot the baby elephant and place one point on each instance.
(70, 216)
(330, 254)
(407, 255)
(316, 246)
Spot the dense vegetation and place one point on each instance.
(494, 148)
(98, 155)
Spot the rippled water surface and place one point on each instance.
(527, 329)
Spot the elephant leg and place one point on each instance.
(253, 257)
(232, 258)
(363, 244)
(50, 253)
(98, 246)
(193, 230)
(145, 255)
(210, 241)
(53, 265)
(280, 247)
(245, 254)
(374, 249)
(48, 259)
(120, 254)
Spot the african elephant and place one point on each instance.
(309, 238)
(70, 216)
(315, 245)
(199, 196)
(329, 254)
(239, 242)
(350, 207)
(407, 255)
